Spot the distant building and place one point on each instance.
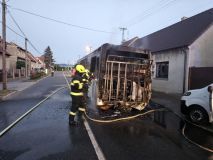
(7, 57)
(18, 54)
(182, 54)
(40, 63)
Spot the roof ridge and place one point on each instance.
(180, 34)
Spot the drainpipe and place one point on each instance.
(185, 51)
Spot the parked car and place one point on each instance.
(198, 104)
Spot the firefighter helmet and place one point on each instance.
(80, 68)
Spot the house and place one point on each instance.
(17, 57)
(182, 54)
(18, 54)
(32, 60)
(40, 63)
(7, 57)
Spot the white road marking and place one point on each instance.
(98, 150)
(25, 114)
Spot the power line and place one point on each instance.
(24, 35)
(31, 44)
(16, 23)
(148, 10)
(150, 13)
(15, 32)
(58, 21)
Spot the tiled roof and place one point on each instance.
(177, 35)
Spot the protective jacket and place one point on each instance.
(85, 77)
(77, 85)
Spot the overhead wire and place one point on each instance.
(14, 31)
(58, 21)
(147, 10)
(16, 23)
(153, 12)
(31, 44)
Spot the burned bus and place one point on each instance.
(122, 76)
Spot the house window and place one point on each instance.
(162, 69)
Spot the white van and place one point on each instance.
(198, 104)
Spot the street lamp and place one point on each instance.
(88, 49)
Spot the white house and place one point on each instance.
(182, 54)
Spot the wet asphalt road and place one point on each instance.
(19, 103)
(45, 134)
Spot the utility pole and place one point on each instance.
(26, 69)
(123, 30)
(4, 71)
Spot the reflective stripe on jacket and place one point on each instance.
(77, 94)
(77, 85)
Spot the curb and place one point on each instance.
(183, 118)
(2, 98)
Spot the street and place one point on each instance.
(45, 134)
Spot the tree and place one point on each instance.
(48, 57)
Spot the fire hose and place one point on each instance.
(148, 112)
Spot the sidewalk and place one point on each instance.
(170, 101)
(18, 85)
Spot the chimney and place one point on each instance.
(183, 18)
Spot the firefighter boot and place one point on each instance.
(80, 117)
(72, 122)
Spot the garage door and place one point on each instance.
(200, 77)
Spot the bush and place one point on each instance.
(36, 75)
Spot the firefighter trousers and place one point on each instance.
(77, 106)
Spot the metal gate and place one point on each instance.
(200, 77)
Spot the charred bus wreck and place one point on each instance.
(122, 76)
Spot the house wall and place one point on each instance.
(33, 65)
(13, 58)
(15, 53)
(201, 50)
(40, 64)
(175, 81)
(7, 62)
(200, 57)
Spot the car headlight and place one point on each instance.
(187, 94)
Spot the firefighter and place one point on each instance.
(87, 78)
(77, 93)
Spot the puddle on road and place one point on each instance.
(200, 136)
(168, 121)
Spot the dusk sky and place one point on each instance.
(69, 38)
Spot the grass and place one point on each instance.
(5, 92)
